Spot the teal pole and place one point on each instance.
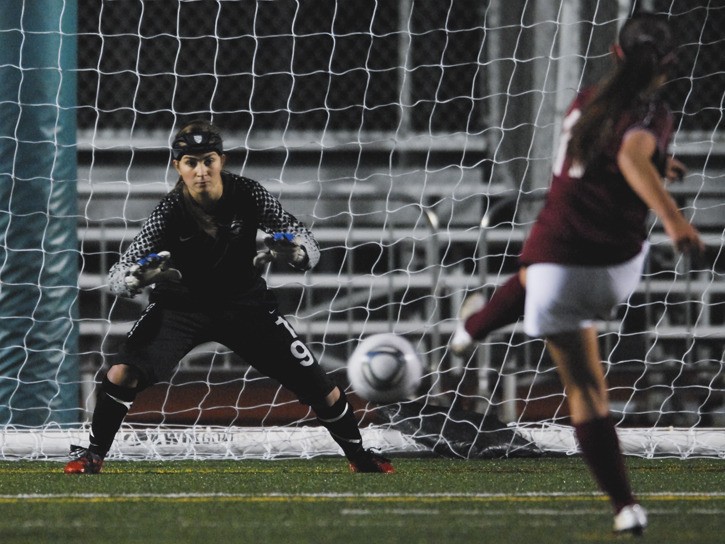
(39, 255)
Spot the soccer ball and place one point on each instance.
(384, 368)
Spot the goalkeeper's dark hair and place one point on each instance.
(646, 51)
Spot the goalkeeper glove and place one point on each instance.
(282, 248)
(151, 269)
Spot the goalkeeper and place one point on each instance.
(586, 251)
(198, 248)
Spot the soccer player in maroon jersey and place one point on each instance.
(198, 249)
(586, 250)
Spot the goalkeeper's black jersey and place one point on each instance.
(216, 270)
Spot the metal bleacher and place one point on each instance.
(401, 247)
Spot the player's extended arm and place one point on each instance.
(143, 262)
(634, 161)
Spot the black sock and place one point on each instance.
(112, 405)
(340, 421)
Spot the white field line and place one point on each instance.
(356, 496)
(494, 512)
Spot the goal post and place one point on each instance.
(38, 205)
(415, 139)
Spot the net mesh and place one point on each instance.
(415, 138)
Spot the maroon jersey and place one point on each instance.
(592, 216)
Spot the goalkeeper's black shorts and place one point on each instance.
(261, 336)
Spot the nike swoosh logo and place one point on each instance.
(185, 238)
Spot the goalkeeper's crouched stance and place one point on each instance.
(198, 250)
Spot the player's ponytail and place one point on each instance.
(644, 52)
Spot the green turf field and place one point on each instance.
(317, 501)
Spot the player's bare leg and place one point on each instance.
(577, 358)
(576, 355)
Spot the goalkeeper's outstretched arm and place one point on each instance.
(289, 240)
(144, 262)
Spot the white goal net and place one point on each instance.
(415, 139)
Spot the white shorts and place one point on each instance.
(564, 298)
